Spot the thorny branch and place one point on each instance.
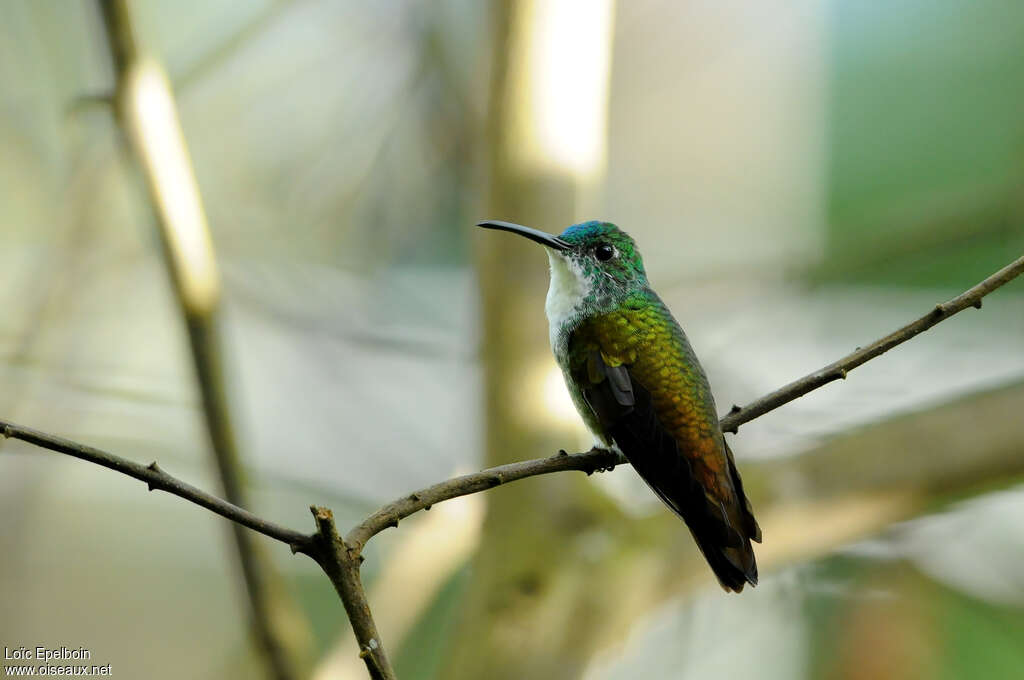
(341, 558)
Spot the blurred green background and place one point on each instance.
(802, 179)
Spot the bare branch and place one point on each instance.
(340, 559)
(839, 369)
(601, 459)
(590, 461)
(159, 480)
(341, 564)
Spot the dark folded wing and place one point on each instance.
(723, 524)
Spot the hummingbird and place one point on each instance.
(639, 387)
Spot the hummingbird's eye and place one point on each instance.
(604, 252)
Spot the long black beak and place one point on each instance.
(541, 237)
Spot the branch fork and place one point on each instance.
(340, 558)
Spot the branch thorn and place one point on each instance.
(153, 467)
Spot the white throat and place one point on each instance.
(568, 289)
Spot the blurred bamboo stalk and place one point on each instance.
(147, 113)
(545, 133)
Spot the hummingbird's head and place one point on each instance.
(602, 250)
(594, 265)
